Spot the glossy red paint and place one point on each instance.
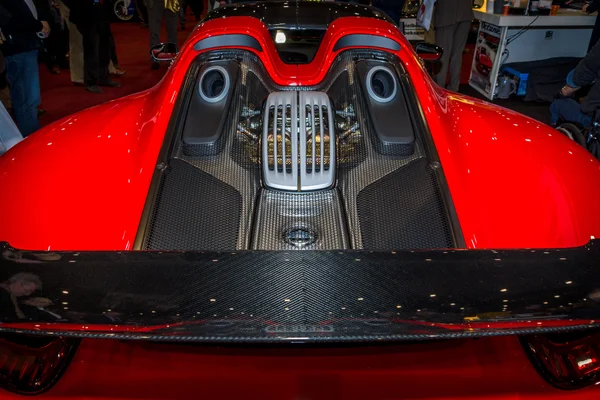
(489, 368)
(515, 182)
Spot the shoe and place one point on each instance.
(41, 112)
(94, 89)
(118, 72)
(78, 83)
(155, 65)
(55, 70)
(111, 84)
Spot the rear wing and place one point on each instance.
(302, 296)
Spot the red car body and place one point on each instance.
(81, 184)
(97, 196)
(484, 62)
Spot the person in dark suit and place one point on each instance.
(452, 21)
(90, 18)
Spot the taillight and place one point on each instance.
(32, 364)
(569, 361)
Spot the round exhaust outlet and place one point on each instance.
(381, 84)
(214, 84)
(300, 236)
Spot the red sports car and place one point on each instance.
(484, 63)
(296, 211)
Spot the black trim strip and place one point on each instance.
(175, 125)
(235, 40)
(371, 41)
(431, 149)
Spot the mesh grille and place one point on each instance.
(194, 211)
(404, 210)
(311, 221)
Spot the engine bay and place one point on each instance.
(257, 166)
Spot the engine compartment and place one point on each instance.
(256, 166)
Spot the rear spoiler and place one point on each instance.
(306, 296)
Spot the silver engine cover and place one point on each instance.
(298, 142)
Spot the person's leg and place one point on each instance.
(155, 20)
(104, 53)
(183, 8)
(90, 54)
(443, 38)
(569, 110)
(23, 78)
(142, 11)
(461, 33)
(63, 45)
(52, 45)
(75, 54)
(113, 49)
(171, 20)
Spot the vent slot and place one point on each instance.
(317, 142)
(298, 141)
(280, 141)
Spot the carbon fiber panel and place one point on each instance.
(248, 296)
(233, 165)
(311, 221)
(409, 212)
(203, 211)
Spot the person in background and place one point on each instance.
(19, 285)
(57, 44)
(586, 73)
(182, 11)
(90, 17)
(113, 66)
(21, 52)
(9, 133)
(393, 8)
(591, 7)
(75, 44)
(36, 309)
(452, 20)
(157, 11)
(197, 7)
(142, 9)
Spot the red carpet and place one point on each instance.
(61, 98)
